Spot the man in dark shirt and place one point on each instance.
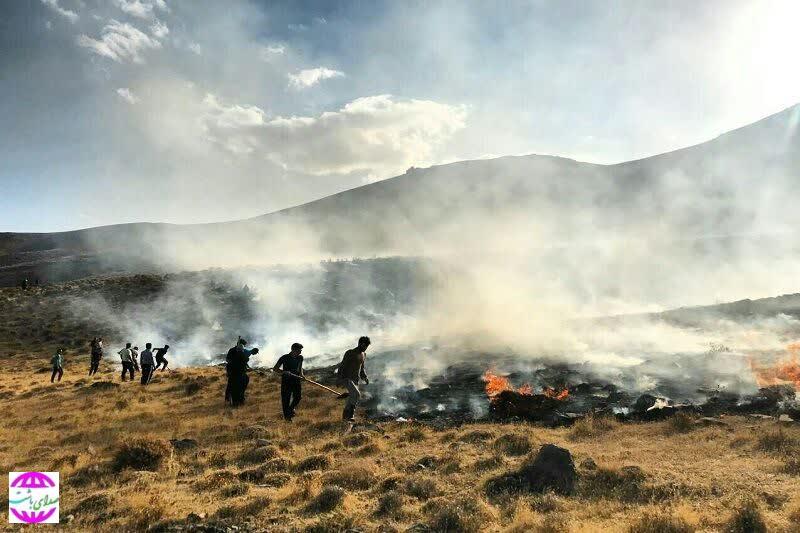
(349, 373)
(97, 355)
(236, 368)
(160, 359)
(292, 363)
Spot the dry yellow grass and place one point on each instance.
(307, 475)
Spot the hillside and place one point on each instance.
(736, 185)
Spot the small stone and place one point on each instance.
(785, 419)
(262, 442)
(69, 518)
(760, 416)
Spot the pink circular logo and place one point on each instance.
(31, 498)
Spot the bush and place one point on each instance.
(232, 491)
(142, 454)
(660, 523)
(420, 487)
(390, 504)
(512, 444)
(415, 434)
(355, 478)
(314, 462)
(680, 423)
(328, 499)
(625, 484)
(748, 519)
(792, 466)
(776, 441)
(592, 426)
(477, 436)
(258, 455)
(464, 515)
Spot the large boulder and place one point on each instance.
(551, 470)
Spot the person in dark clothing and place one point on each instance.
(58, 365)
(160, 359)
(25, 284)
(291, 384)
(349, 372)
(126, 355)
(236, 368)
(147, 363)
(96, 356)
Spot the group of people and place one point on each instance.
(349, 374)
(150, 361)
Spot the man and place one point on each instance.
(290, 384)
(135, 357)
(146, 360)
(236, 368)
(160, 359)
(58, 365)
(350, 371)
(126, 355)
(97, 355)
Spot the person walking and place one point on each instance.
(58, 365)
(349, 372)
(236, 369)
(147, 363)
(291, 379)
(126, 355)
(96, 355)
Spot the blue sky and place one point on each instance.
(192, 111)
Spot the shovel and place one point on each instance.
(338, 394)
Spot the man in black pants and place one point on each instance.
(290, 384)
(146, 360)
(236, 367)
(126, 356)
(97, 355)
(160, 359)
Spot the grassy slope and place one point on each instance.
(702, 475)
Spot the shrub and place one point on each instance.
(390, 504)
(356, 440)
(258, 455)
(776, 441)
(231, 491)
(660, 523)
(477, 436)
(328, 499)
(94, 505)
(355, 478)
(747, 519)
(420, 487)
(680, 423)
(464, 515)
(314, 462)
(792, 466)
(592, 426)
(142, 454)
(625, 484)
(415, 434)
(512, 444)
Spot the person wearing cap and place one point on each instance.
(291, 379)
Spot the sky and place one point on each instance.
(189, 111)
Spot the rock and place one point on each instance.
(551, 470)
(182, 445)
(69, 518)
(644, 402)
(711, 421)
(761, 417)
(588, 464)
(785, 419)
(262, 442)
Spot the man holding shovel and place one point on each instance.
(349, 372)
(291, 379)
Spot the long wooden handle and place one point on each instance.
(337, 393)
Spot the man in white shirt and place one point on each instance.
(126, 355)
(147, 362)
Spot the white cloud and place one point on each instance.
(309, 77)
(120, 42)
(162, 5)
(127, 95)
(268, 53)
(66, 13)
(196, 48)
(375, 134)
(159, 30)
(136, 8)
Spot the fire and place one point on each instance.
(496, 384)
(782, 372)
(555, 394)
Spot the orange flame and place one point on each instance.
(496, 384)
(787, 371)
